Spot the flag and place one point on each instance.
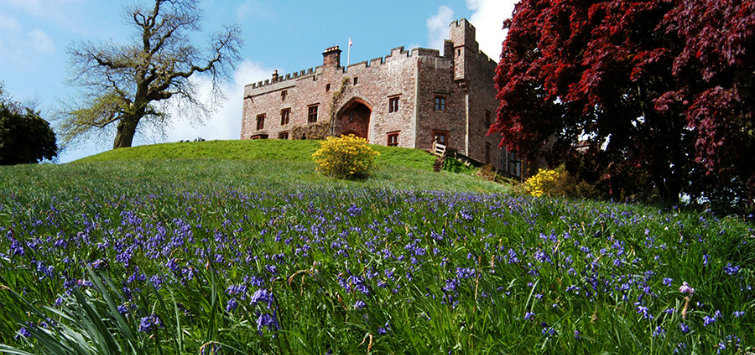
(350, 43)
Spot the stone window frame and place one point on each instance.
(283, 135)
(261, 121)
(440, 103)
(392, 139)
(285, 116)
(312, 113)
(393, 103)
(441, 133)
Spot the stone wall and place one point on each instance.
(462, 76)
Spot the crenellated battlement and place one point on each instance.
(397, 54)
(281, 78)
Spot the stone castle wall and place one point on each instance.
(462, 75)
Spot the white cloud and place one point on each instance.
(437, 27)
(40, 41)
(225, 121)
(488, 19)
(8, 23)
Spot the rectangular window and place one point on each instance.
(392, 139)
(440, 137)
(260, 121)
(487, 119)
(285, 116)
(312, 114)
(393, 104)
(487, 152)
(283, 135)
(284, 93)
(327, 87)
(356, 81)
(440, 103)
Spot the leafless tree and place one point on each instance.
(125, 85)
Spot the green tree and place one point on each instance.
(128, 84)
(24, 136)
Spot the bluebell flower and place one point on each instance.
(644, 312)
(231, 305)
(23, 332)
(659, 331)
(738, 314)
(529, 315)
(667, 281)
(359, 304)
(150, 323)
(122, 309)
(730, 269)
(262, 296)
(684, 328)
(684, 288)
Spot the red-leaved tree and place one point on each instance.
(639, 97)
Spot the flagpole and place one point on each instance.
(348, 53)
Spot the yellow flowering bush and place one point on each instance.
(545, 182)
(345, 157)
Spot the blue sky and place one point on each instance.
(287, 35)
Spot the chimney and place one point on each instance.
(332, 57)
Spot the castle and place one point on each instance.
(408, 99)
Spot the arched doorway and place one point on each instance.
(354, 118)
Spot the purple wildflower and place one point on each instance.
(730, 269)
(644, 312)
(150, 323)
(684, 328)
(684, 288)
(231, 305)
(262, 295)
(359, 304)
(122, 309)
(529, 315)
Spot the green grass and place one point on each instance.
(410, 261)
(267, 149)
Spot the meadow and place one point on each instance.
(163, 253)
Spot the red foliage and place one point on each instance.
(665, 86)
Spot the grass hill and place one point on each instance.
(241, 247)
(265, 163)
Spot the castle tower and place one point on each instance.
(462, 35)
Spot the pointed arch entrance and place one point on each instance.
(354, 118)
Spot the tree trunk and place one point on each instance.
(126, 130)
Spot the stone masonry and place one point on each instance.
(408, 99)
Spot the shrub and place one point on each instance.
(558, 183)
(345, 157)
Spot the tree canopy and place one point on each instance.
(638, 97)
(24, 136)
(125, 85)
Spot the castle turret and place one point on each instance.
(331, 57)
(462, 35)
